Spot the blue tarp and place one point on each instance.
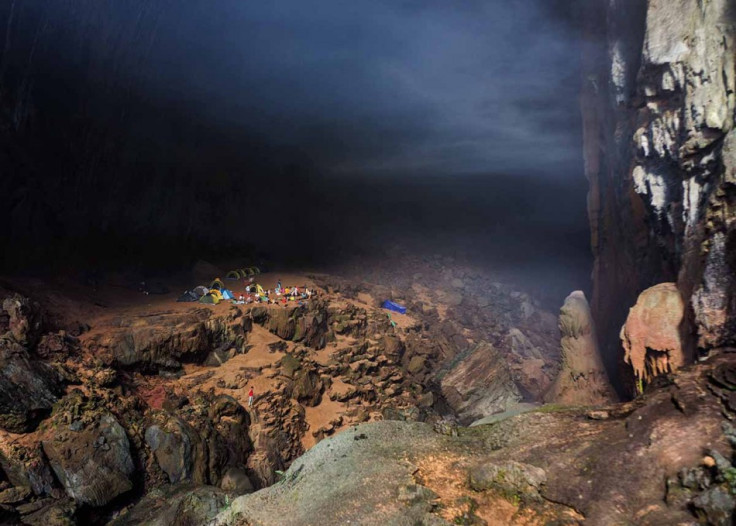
(390, 305)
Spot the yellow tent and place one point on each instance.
(217, 294)
(260, 290)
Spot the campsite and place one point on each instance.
(367, 263)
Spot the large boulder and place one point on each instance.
(509, 477)
(359, 476)
(307, 324)
(237, 481)
(653, 337)
(478, 383)
(25, 319)
(27, 466)
(28, 388)
(311, 328)
(582, 379)
(307, 387)
(202, 441)
(182, 505)
(174, 445)
(89, 451)
(49, 512)
(282, 322)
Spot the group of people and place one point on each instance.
(255, 293)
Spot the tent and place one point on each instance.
(210, 299)
(200, 291)
(252, 271)
(260, 290)
(390, 305)
(217, 284)
(189, 295)
(227, 294)
(233, 274)
(217, 293)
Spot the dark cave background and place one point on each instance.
(110, 157)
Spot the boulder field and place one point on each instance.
(125, 408)
(139, 414)
(661, 459)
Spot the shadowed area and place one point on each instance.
(146, 134)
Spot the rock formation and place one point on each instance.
(28, 387)
(640, 462)
(166, 339)
(90, 455)
(652, 335)
(479, 384)
(658, 112)
(582, 379)
(148, 397)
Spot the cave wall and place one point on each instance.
(104, 161)
(658, 115)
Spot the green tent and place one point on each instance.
(210, 299)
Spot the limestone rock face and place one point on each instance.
(652, 337)
(479, 384)
(582, 379)
(658, 105)
(714, 299)
(301, 324)
(174, 448)
(202, 443)
(28, 387)
(91, 457)
(167, 339)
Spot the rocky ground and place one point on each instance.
(121, 408)
(108, 397)
(664, 458)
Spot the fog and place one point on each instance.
(160, 131)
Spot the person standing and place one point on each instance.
(250, 397)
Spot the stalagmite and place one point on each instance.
(582, 379)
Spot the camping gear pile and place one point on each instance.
(280, 295)
(390, 305)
